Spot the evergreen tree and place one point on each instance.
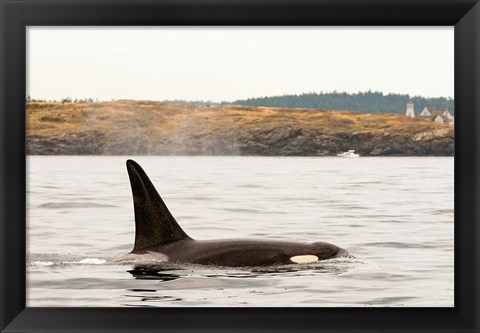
(369, 102)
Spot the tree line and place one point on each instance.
(62, 100)
(369, 102)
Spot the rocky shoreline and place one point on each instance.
(155, 128)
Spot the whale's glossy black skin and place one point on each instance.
(158, 236)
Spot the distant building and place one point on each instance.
(431, 113)
(437, 115)
(410, 112)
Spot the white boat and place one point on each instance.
(350, 153)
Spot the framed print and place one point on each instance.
(238, 166)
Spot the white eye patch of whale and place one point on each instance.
(304, 259)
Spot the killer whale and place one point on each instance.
(158, 236)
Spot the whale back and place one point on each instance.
(154, 224)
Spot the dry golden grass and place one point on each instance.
(163, 119)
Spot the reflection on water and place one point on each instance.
(147, 299)
(165, 272)
(155, 272)
(188, 278)
(397, 222)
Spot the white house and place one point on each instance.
(437, 115)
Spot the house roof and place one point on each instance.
(435, 111)
(445, 119)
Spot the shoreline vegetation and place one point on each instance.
(132, 127)
(374, 102)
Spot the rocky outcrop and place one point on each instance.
(152, 128)
(77, 143)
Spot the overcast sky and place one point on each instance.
(224, 64)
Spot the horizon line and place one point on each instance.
(96, 99)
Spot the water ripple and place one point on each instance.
(69, 204)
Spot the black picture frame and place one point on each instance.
(16, 15)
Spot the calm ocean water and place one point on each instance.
(395, 214)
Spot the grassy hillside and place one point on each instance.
(147, 127)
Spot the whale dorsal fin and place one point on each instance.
(154, 225)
